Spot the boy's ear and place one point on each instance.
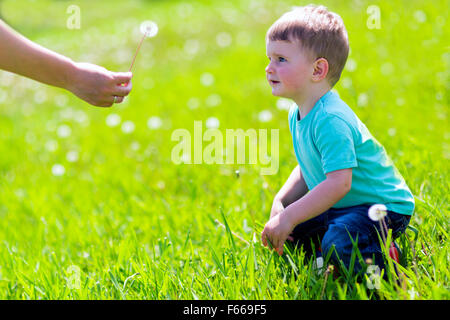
(320, 69)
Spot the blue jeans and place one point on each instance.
(334, 227)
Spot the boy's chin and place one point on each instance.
(277, 93)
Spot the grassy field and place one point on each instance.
(93, 207)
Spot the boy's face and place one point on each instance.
(290, 69)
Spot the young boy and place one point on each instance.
(343, 167)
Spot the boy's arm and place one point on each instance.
(293, 189)
(90, 82)
(321, 198)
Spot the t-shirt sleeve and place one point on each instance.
(335, 143)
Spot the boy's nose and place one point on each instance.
(269, 68)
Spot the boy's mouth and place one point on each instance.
(274, 82)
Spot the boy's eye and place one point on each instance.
(281, 59)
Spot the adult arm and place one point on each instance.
(94, 84)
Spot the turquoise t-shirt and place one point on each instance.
(331, 137)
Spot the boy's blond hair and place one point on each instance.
(321, 32)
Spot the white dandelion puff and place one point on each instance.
(149, 28)
(135, 146)
(363, 99)
(223, 39)
(128, 127)
(72, 156)
(351, 65)
(284, 104)
(113, 120)
(58, 170)
(377, 212)
(193, 103)
(63, 131)
(51, 145)
(265, 116)
(213, 100)
(154, 122)
(212, 123)
(207, 79)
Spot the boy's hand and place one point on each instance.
(277, 230)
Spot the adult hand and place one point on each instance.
(99, 86)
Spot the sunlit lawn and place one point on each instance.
(95, 191)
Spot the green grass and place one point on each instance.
(140, 227)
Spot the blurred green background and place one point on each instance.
(96, 187)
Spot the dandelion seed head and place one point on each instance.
(72, 156)
(212, 123)
(265, 116)
(154, 122)
(377, 212)
(149, 28)
(58, 170)
(64, 131)
(113, 120)
(128, 127)
(207, 79)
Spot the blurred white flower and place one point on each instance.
(72, 156)
(63, 131)
(223, 39)
(284, 104)
(149, 28)
(347, 82)
(128, 126)
(377, 212)
(392, 131)
(81, 117)
(207, 79)
(193, 103)
(51, 145)
(61, 100)
(212, 123)
(420, 16)
(265, 116)
(135, 146)
(113, 120)
(387, 68)
(191, 46)
(40, 97)
(160, 184)
(213, 100)
(154, 122)
(58, 170)
(350, 65)
(363, 99)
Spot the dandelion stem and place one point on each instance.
(135, 55)
(236, 235)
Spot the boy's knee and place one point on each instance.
(339, 242)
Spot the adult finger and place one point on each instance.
(122, 77)
(122, 91)
(119, 99)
